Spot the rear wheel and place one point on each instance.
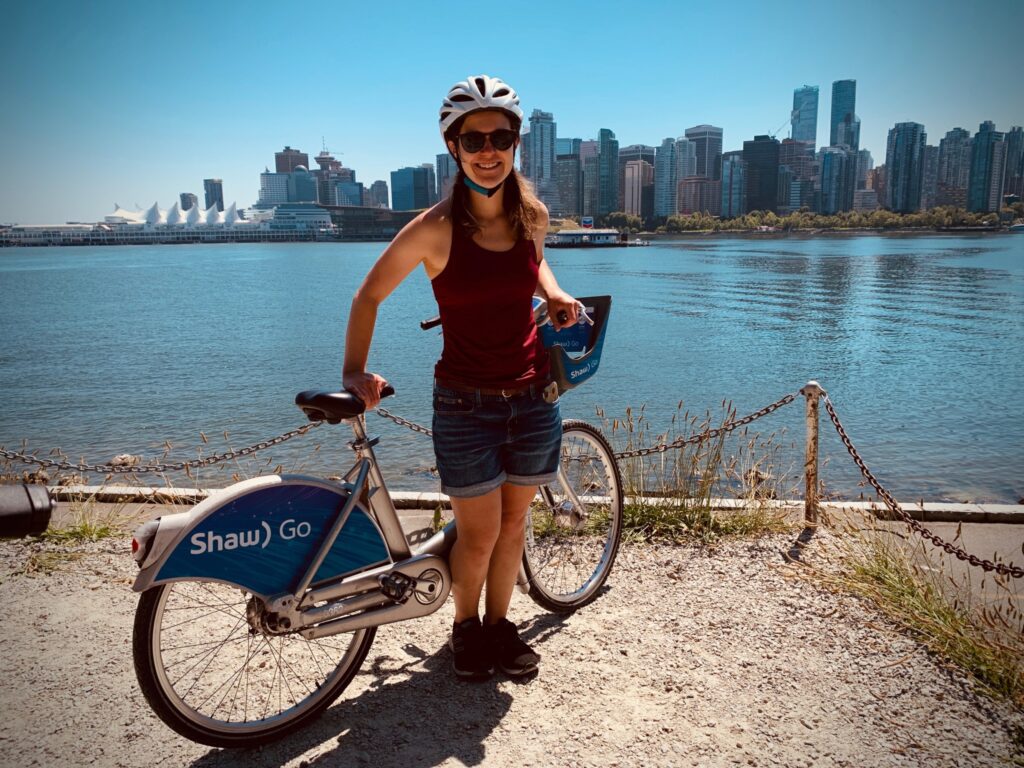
(575, 523)
(213, 673)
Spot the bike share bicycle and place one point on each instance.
(259, 605)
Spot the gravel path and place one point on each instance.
(692, 657)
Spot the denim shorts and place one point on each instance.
(482, 441)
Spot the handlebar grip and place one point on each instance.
(388, 391)
(433, 322)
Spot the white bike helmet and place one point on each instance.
(475, 93)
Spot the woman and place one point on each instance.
(497, 430)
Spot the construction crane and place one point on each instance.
(775, 133)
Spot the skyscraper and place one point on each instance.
(734, 189)
(988, 163)
(761, 157)
(431, 183)
(214, 189)
(540, 144)
(608, 160)
(798, 173)
(628, 154)
(1013, 177)
(954, 168)
(188, 200)
(929, 178)
(569, 177)
(686, 159)
(844, 103)
(665, 178)
(302, 186)
(639, 188)
(287, 159)
(409, 189)
(378, 194)
(273, 189)
(447, 169)
(591, 184)
(838, 171)
(707, 140)
(567, 146)
(904, 161)
(804, 118)
(864, 164)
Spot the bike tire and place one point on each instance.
(197, 679)
(570, 549)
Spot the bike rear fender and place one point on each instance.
(259, 535)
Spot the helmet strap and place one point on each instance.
(481, 189)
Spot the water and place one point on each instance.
(918, 340)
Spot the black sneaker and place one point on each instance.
(513, 656)
(471, 659)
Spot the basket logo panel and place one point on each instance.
(265, 540)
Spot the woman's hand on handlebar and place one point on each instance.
(366, 386)
(563, 310)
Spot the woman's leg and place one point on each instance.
(479, 521)
(507, 551)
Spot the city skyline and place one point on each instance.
(104, 112)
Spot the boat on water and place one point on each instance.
(591, 238)
(1018, 227)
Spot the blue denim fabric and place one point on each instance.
(482, 441)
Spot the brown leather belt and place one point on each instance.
(537, 387)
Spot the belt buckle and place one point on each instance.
(507, 393)
(550, 393)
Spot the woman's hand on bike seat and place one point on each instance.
(364, 385)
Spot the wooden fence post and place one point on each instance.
(812, 391)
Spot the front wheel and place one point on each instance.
(213, 673)
(575, 523)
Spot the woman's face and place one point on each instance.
(489, 166)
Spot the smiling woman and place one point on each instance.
(497, 427)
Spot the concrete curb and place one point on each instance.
(935, 511)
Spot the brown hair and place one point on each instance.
(521, 205)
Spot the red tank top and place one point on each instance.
(485, 299)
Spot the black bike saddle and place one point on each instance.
(333, 407)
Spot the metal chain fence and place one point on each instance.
(948, 547)
(134, 469)
(709, 434)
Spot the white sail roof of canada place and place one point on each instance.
(154, 216)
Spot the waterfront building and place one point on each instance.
(865, 200)
(378, 194)
(591, 184)
(904, 159)
(930, 178)
(188, 200)
(431, 183)
(686, 159)
(368, 222)
(569, 178)
(707, 141)
(665, 176)
(273, 189)
(798, 171)
(588, 148)
(524, 151)
(349, 193)
(804, 118)
(693, 195)
(540, 151)
(409, 189)
(988, 163)
(214, 189)
(864, 164)
(954, 170)
(761, 156)
(734, 189)
(1013, 177)
(608, 172)
(302, 186)
(838, 170)
(447, 169)
(288, 159)
(638, 188)
(626, 155)
(844, 103)
(567, 146)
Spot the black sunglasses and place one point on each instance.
(501, 139)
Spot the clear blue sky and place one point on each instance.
(135, 102)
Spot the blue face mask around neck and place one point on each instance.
(480, 189)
